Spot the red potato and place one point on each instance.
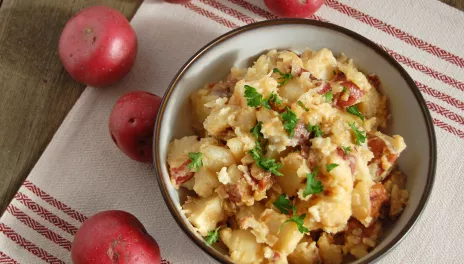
(98, 46)
(114, 237)
(294, 8)
(131, 124)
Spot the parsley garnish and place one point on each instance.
(272, 98)
(298, 220)
(359, 135)
(316, 129)
(284, 78)
(283, 204)
(346, 149)
(254, 98)
(266, 164)
(313, 186)
(212, 236)
(300, 103)
(345, 90)
(354, 111)
(290, 120)
(195, 160)
(328, 96)
(331, 166)
(256, 130)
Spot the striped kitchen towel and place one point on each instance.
(82, 172)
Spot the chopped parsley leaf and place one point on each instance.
(328, 96)
(265, 163)
(345, 90)
(254, 99)
(360, 136)
(213, 236)
(316, 129)
(331, 166)
(284, 78)
(290, 120)
(313, 186)
(300, 103)
(298, 220)
(283, 204)
(195, 160)
(347, 150)
(354, 111)
(256, 130)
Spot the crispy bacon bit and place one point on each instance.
(305, 150)
(211, 85)
(379, 149)
(350, 158)
(311, 76)
(339, 77)
(378, 196)
(234, 193)
(374, 81)
(300, 136)
(325, 89)
(181, 174)
(355, 94)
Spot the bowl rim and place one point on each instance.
(297, 21)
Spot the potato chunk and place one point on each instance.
(204, 213)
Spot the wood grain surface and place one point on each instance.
(35, 91)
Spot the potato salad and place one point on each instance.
(289, 164)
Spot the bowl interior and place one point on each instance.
(410, 118)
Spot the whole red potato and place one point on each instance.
(132, 121)
(114, 237)
(294, 8)
(98, 46)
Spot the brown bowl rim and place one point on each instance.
(286, 21)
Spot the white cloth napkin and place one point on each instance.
(82, 172)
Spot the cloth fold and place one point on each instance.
(82, 172)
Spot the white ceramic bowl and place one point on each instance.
(410, 116)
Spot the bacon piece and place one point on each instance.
(339, 77)
(374, 81)
(311, 76)
(300, 136)
(378, 196)
(379, 149)
(350, 158)
(355, 94)
(181, 174)
(325, 89)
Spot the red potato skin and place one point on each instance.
(294, 8)
(98, 46)
(131, 124)
(114, 237)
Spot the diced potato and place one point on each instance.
(198, 100)
(245, 119)
(399, 200)
(288, 239)
(294, 171)
(357, 77)
(215, 157)
(373, 104)
(205, 182)
(204, 213)
(329, 252)
(361, 202)
(305, 253)
(273, 129)
(292, 91)
(219, 119)
(321, 63)
(243, 248)
(178, 150)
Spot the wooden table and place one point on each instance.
(36, 93)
